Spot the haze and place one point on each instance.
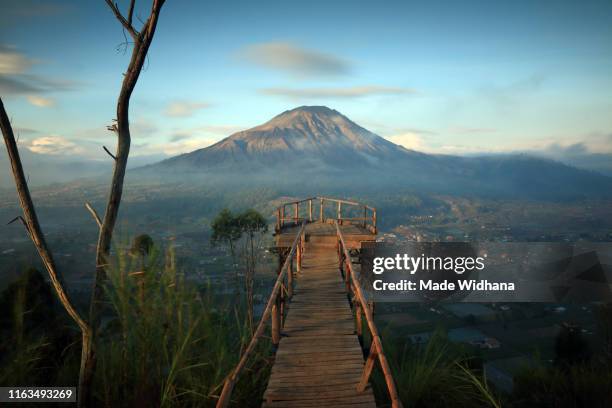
(443, 77)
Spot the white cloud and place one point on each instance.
(466, 130)
(338, 92)
(54, 145)
(184, 108)
(184, 146)
(295, 60)
(15, 78)
(409, 140)
(40, 101)
(12, 61)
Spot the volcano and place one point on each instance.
(308, 135)
(320, 146)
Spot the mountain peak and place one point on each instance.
(305, 133)
(305, 116)
(313, 109)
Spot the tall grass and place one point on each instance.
(168, 342)
(580, 385)
(164, 342)
(434, 374)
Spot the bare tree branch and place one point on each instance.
(109, 153)
(131, 12)
(30, 220)
(94, 214)
(142, 42)
(125, 23)
(23, 221)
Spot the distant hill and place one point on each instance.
(318, 147)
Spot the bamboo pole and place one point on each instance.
(347, 274)
(367, 369)
(376, 342)
(359, 320)
(321, 216)
(310, 210)
(230, 382)
(374, 220)
(298, 263)
(290, 277)
(365, 215)
(347, 202)
(282, 215)
(275, 323)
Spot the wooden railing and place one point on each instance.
(275, 309)
(362, 308)
(295, 212)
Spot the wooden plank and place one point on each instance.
(316, 404)
(301, 393)
(366, 398)
(319, 360)
(313, 381)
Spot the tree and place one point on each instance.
(30, 295)
(253, 225)
(141, 42)
(32, 226)
(142, 245)
(226, 230)
(570, 347)
(604, 326)
(230, 229)
(33, 338)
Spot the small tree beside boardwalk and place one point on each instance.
(226, 231)
(245, 230)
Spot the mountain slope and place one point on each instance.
(319, 148)
(304, 135)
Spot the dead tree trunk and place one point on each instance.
(142, 41)
(30, 221)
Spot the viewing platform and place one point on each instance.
(356, 221)
(318, 312)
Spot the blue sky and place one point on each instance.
(445, 77)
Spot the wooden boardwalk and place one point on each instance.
(319, 361)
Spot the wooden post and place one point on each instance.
(297, 213)
(298, 265)
(347, 275)
(282, 215)
(340, 212)
(374, 220)
(367, 370)
(310, 210)
(276, 323)
(282, 302)
(365, 215)
(230, 382)
(290, 282)
(321, 216)
(358, 319)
